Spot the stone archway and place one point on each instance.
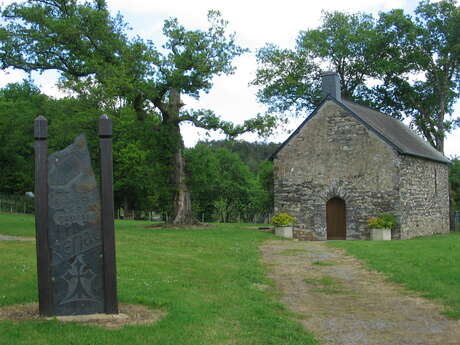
(336, 223)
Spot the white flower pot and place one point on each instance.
(284, 231)
(380, 234)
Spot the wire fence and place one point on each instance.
(16, 204)
(457, 221)
(25, 205)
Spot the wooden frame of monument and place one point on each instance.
(45, 284)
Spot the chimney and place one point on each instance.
(331, 85)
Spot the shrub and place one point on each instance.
(283, 219)
(383, 221)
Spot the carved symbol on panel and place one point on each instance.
(78, 280)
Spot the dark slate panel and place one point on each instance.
(75, 239)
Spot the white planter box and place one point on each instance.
(381, 234)
(284, 231)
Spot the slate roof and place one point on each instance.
(392, 131)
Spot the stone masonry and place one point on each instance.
(335, 155)
(424, 197)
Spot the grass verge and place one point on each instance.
(327, 285)
(323, 263)
(22, 225)
(429, 265)
(207, 280)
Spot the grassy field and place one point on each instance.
(430, 265)
(22, 225)
(207, 280)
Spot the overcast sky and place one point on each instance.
(255, 23)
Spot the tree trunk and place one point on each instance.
(182, 203)
(126, 208)
(441, 130)
(182, 206)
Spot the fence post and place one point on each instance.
(107, 215)
(45, 297)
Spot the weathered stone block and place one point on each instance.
(74, 230)
(380, 234)
(284, 231)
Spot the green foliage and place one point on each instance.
(254, 155)
(98, 61)
(426, 44)
(389, 51)
(20, 103)
(266, 180)
(283, 219)
(92, 50)
(290, 79)
(454, 181)
(136, 173)
(222, 186)
(427, 264)
(383, 221)
(206, 280)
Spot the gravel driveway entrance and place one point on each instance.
(340, 301)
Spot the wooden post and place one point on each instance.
(45, 296)
(107, 215)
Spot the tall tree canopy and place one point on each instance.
(425, 45)
(96, 58)
(229, 180)
(290, 79)
(135, 182)
(400, 64)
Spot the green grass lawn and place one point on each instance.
(22, 225)
(430, 265)
(207, 280)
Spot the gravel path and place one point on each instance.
(15, 238)
(342, 303)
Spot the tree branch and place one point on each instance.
(263, 125)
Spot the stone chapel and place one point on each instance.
(347, 163)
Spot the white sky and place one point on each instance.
(255, 23)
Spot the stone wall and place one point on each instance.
(334, 155)
(424, 197)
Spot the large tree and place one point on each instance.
(96, 57)
(403, 65)
(223, 186)
(18, 106)
(421, 66)
(290, 78)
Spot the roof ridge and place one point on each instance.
(389, 138)
(389, 129)
(374, 110)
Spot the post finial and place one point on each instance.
(40, 127)
(105, 126)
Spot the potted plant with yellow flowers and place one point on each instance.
(380, 227)
(283, 223)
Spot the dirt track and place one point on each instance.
(15, 238)
(340, 301)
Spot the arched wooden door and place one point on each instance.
(336, 219)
